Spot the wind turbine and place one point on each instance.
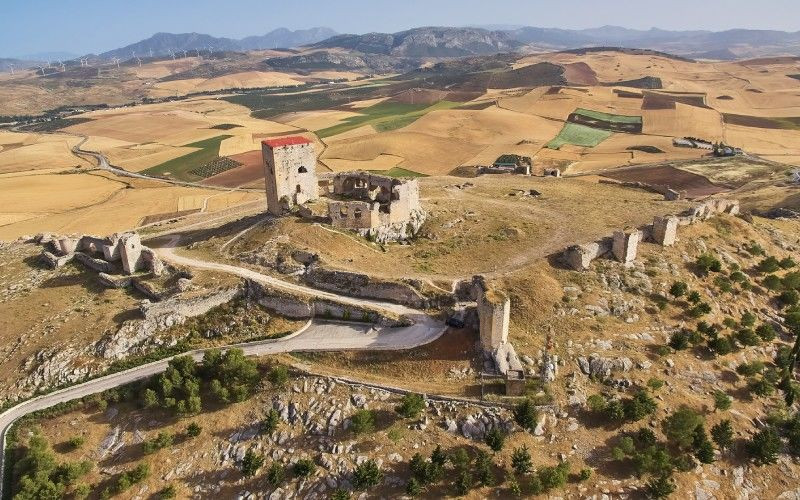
(11, 66)
(184, 53)
(116, 60)
(151, 52)
(210, 52)
(172, 54)
(197, 51)
(42, 68)
(48, 64)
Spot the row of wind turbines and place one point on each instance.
(84, 62)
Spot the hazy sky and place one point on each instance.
(83, 26)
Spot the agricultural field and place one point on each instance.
(192, 166)
(578, 135)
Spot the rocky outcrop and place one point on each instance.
(599, 367)
(362, 285)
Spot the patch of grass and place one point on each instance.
(386, 116)
(398, 172)
(180, 168)
(225, 126)
(608, 117)
(578, 135)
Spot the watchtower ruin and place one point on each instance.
(290, 172)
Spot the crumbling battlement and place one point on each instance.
(623, 245)
(362, 285)
(105, 255)
(377, 206)
(494, 313)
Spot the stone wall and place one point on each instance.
(362, 285)
(494, 314)
(102, 254)
(290, 175)
(663, 231)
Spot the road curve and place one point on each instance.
(313, 336)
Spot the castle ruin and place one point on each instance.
(290, 172)
(379, 207)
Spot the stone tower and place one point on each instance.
(290, 172)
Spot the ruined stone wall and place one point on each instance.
(663, 231)
(362, 285)
(354, 214)
(494, 314)
(290, 176)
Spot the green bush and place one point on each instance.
(495, 439)
(764, 446)
(750, 369)
(584, 474)
(748, 319)
(722, 401)
(367, 475)
(678, 289)
(738, 277)
(193, 430)
(363, 421)
(167, 492)
(75, 442)
(747, 337)
(251, 462)
(484, 469)
(703, 449)
(526, 415)
(772, 282)
(787, 263)
(720, 346)
(766, 332)
(679, 340)
(276, 473)
(660, 487)
(521, 460)
(463, 483)
(789, 297)
(707, 263)
(655, 384)
(700, 309)
(271, 422)
(304, 467)
(680, 426)
(161, 441)
(722, 434)
(553, 477)
(754, 249)
(411, 405)
(639, 406)
(792, 280)
(724, 284)
(694, 297)
(762, 387)
(413, 488)
(278, 375)
(769, 265)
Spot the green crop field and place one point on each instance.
(386, 116)
(578, 135)
(399, 172)
(180, 168)
(608, 117)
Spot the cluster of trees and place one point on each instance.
(741, 334)
(226, 376)
(619, 411)
(39, 475)
(366, 474)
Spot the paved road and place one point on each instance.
(314, 336)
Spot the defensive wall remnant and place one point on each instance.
(290, 172)
(105, 255)
(623, 245)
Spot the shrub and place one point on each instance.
(754, 249)
(75, 442)
(367, 475)
(750, 369)
(792, 280)
(413, 488)
(438, 456)
(694, 297)
(340, 494)
(679, 340)
(722, 434)
(708, 263)
(484, 469)
(276, 473)
(271, 422)
(747, 337)
(703, 449)
(463, 483)
(761, 387)
(738, 277)
(769, 265)
(680, 426)
(678, 289)
(167, 492)
(724, 284)
(720, 346)
(789, 297)
(411, 405)
(722, 401)
(526, 415)
(553, 477)
(193, 430)
(639, 406)
(251, 462)
(748, 319)
(787, 263)
(766, 332)
(584, 474)
(764, 446)
(655, 384)
(363, 421)
(514, 489)
(661, 487)
(161, 441)
(772, 282)
(278, 375)
(495, 439)
(304, 467)
(729, 322)
(521, 460)
(700, 309)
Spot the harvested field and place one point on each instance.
(695, 185)
(580, 73)
(379, 163)
(626, 94)
(661, 100)
(385, 116)
(38, 152)
(250, 170)
(190, 167)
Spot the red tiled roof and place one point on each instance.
(291, 140)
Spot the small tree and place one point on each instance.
(168, 492)
(766, 332)
(463, 483)
(526, 415)
(276, 473)
(304, 467)
(521, 460)
(367, 475)
(271, 422)
(251, 462)
(680, 427)
(722, 434)
(584, 474)
(340, 494)
(438, 456)
(483, 469)
(413, 488)
(411, 405)
(279, 375)
(495, 439)
(193, 430)
(722, 401)
(703, 449)
(769, 265)
(363, 421)
(678, 289)
(694, 297)
(764, 446)
(75, 442)
(707, 263)
(553, 477)
(661, 487)
(748, 319)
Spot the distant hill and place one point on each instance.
(426, 42)
(162, 43)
